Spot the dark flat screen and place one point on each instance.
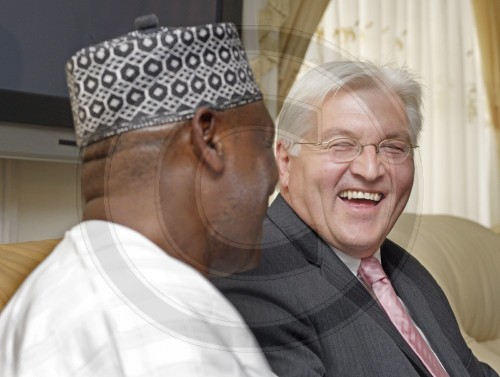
(38, 37)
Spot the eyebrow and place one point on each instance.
(330, 134)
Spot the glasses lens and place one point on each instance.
(395, 151)
(344, 149)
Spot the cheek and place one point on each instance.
(272, 167)
(325, 178)
(314, 188)
(403, 182)
(268, 173)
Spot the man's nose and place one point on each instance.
(369, 164)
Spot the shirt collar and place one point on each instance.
(353, 263)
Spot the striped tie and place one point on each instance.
(372, 273)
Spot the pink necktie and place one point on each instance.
(372, 273)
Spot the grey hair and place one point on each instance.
(301, 109)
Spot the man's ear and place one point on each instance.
(204, 138)
(283, 162)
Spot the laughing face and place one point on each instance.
(353, 205)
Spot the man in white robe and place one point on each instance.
(177, 167)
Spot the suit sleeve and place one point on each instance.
(488, 371)
(287, 338)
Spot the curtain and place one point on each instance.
(487, 14)
(278, 41)
(457, 167)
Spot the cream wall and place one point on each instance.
(38, 199)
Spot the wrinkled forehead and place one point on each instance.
(366, 112)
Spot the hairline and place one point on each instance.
(354, 75)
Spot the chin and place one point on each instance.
(236, 261)
(358, 246)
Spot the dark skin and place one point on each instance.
(197, 189)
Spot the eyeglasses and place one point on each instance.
(345, 149)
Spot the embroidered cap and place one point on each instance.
(151, 77)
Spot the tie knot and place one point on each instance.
(371, 270)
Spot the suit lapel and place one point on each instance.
(295, 231)
(336, 273)
(421, 311)
(342, 278)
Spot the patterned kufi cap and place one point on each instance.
(149, 78)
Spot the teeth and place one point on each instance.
(349, 194)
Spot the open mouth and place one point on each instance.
(361, 196)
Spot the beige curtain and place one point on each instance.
(285, 30)
(487, 13)
(458, 172)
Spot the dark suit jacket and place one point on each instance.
(313, 317)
